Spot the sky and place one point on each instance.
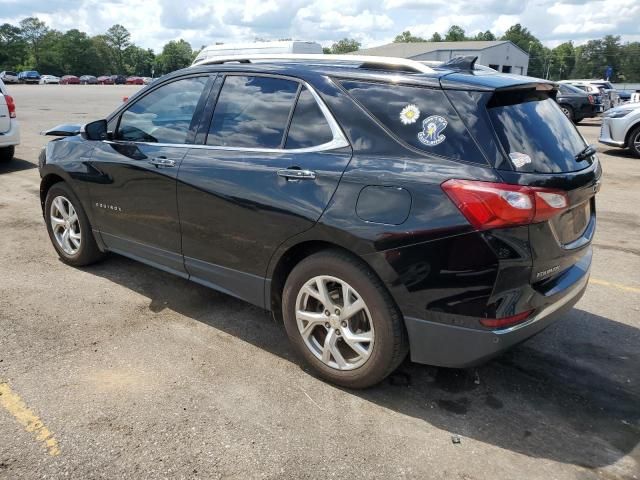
(152, 23)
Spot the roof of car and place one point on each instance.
(373, 70)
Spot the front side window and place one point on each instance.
(164, 115)
(252, 112)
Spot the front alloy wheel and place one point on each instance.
(65, 225)
(69, 228)
(334, 322)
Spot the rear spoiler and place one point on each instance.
(460, 63)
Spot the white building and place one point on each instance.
(501, 55)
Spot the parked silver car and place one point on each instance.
(9, 77)
(621, 127)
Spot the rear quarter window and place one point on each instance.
(420, 117)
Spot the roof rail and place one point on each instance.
(365, 61)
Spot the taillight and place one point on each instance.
(496, 205)
(591, 99)
(505, 321)
(11, 106)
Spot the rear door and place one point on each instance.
(271, 159)
(133, 192)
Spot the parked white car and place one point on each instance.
(621, 127)
(9, 128)
(49, 80)
(9, 77)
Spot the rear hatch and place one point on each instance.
(5, 120)
(542, 148)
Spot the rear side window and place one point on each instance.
(309, 127)
(421, 117)
(535, 133)
(164, 115)
(252, 112)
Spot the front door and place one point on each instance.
(271, 161)
(133, 195)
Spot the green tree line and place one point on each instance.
(560, 63)
(32, 45)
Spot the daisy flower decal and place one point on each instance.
(409, 114)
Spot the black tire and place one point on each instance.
(568, 111)
(7, 153)
(634, 141)
(88, 251)
(390, 344)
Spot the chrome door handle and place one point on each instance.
(295, 174)
(162, 162)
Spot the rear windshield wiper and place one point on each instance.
(588, 151)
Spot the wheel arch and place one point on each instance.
(294, 255)
(630, 130)
(48, 181)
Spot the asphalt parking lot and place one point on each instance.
(122, 371)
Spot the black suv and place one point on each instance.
(377, 206)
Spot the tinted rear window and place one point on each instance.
(530, 125)
(420, 117)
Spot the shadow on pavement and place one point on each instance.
(570, 395)
(621, 152)
(16, 165)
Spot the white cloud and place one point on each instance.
(154, 22)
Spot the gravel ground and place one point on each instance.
(122, 371)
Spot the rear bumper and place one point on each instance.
(453, 346)
(11, 137)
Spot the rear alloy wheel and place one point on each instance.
(69, 228)
(634, 141)
(342, 320)
(568, 111)
(334, 322)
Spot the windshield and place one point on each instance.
(534, 132)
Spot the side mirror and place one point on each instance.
(95, 130)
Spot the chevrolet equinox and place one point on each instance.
(378, 206)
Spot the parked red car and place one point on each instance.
(105, 80)
(69, 80)
(135, 81)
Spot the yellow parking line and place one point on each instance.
(619, 286)
(15, 406)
